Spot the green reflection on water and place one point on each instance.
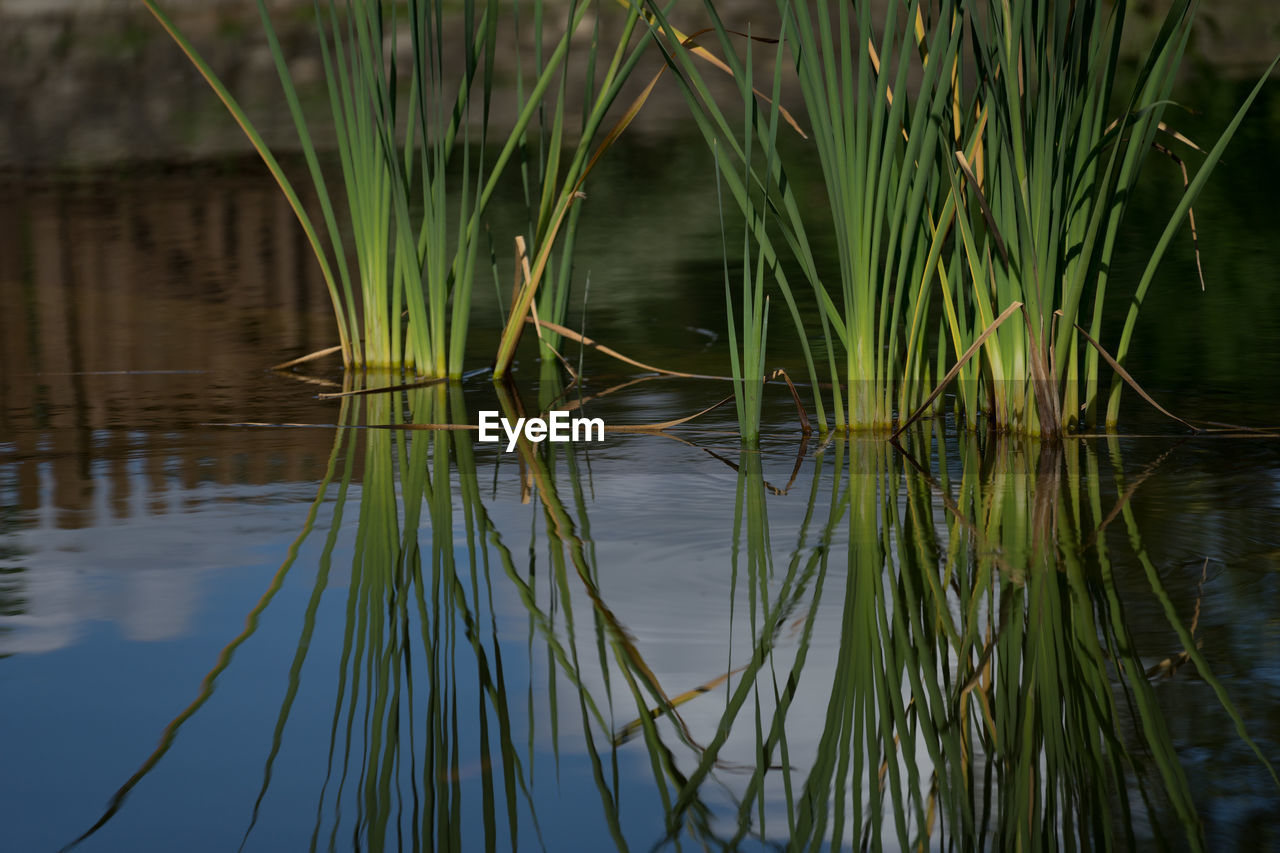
(953, 623)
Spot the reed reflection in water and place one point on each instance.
(905, 648)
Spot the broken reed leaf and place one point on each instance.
(990, 217)
(362, 392)
(1191, 211)
(802, 450)
(565, 331)
(665, 424)
(805, 427)
(688, 41)
(303, 359)
(633, 728)
(959, 365)
(532, 279)
(1133, 383)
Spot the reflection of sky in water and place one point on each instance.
(95, 703)
(142, 570)
(183, 566)
(691, 621)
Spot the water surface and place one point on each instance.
(311, 633)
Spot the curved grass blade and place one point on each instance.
(272, 164)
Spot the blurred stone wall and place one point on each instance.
(85, 83)
(92, 82)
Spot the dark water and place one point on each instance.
(313, 634)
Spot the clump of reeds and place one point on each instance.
(416, 168)
(977, 175)
(748, 335)
(976, 170)
(1043, 192)
(393, 155)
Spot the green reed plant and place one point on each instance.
(401, 265)
(747, 356)
(872, 93)
(878, 141)
(562, 175)
(554, 155)
(754, 189)
(1042, 193)
(414, 176)
(747, 352)
(1059, 768)
(976, 178)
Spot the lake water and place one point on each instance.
(315, 631)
